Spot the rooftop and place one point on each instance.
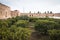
(4, 5)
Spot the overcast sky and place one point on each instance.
(33, 5)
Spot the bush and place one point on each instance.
(54, 34)
(33, 19)
(15, 33)
(43, 25)
(22, 17)
(22, 23)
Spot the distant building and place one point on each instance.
(5, 12)
(15, 13)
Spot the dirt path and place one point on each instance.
(37, 36)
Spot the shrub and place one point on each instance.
(22, 23)
(43, 25)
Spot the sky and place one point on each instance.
(33, 5)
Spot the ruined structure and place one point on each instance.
(15, 13)
(5, 12)
(41, 15)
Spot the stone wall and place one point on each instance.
(15, 13)
(41, 15)
(4, 11)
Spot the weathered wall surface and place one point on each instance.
(41, 15)
(4, 11)
(15, 13)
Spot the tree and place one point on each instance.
(30, 12)
(38, 12)
(51, 12)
